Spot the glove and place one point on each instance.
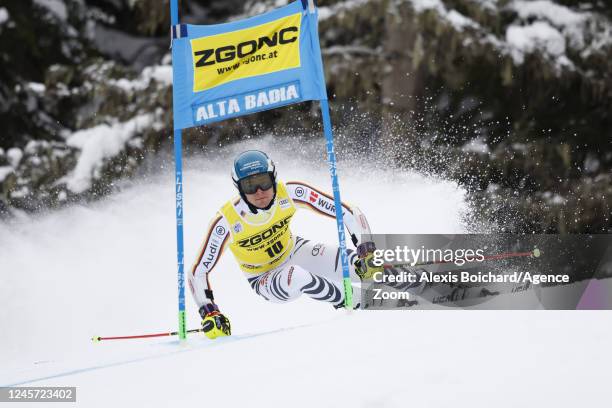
(214, 323)
(364, 266)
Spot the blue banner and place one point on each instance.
(228, 70)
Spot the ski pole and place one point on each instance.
(535, 253)
(96, 339)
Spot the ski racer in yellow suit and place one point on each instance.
(279, 266)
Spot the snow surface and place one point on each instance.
(99, 143)
(537, 36)
(326, 12)
(569, 22)
(488, 4)
(160, 73)
(4, 15)
(14, 155)
(57, 7)
(37, 87)
(456, 19)
(422, 5)
(110, 269)
(5, 171)
(555, 13)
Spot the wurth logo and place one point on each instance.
(313, 197)
(327, 205)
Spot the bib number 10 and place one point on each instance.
(275, 249)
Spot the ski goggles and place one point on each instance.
(251, 184)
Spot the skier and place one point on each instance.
(280, 267)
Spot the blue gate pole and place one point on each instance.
(331, 159)
(178, 166)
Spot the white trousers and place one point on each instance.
(314, 269)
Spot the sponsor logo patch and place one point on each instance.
(364, 223)
(275, 229)
(318, 249)
(248, 266)
(237, 227)
(247, 102)
(313, 197)
(289, 276)
(211, 255)
(299, 192)
(270, 47)
(220, 230)
(284, 203)
(323, 203)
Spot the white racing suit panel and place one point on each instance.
(313, 269)
(214, 244)
(311, 198)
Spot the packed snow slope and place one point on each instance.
(110, 269)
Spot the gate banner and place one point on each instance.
(228, 70)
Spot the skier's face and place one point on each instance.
(261, 198)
